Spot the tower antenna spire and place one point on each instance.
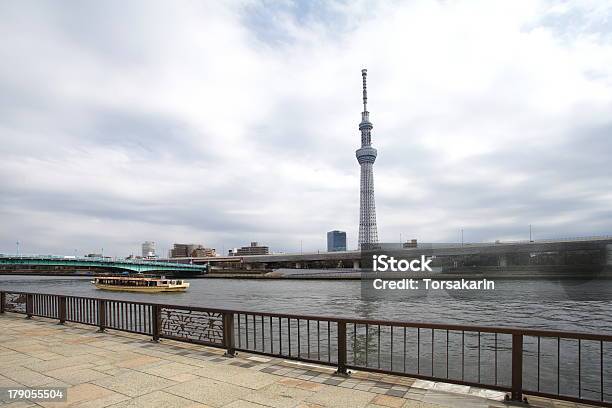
(364, 74)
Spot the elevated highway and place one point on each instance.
(586, 250)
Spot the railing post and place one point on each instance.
(517, 369)
(61, 309)
(341, 348)
(228, 334)
(101, 315)
(2, 301)
(156, 322)
(29, 305)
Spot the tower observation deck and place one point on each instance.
(366, 156)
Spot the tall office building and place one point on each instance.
(366, 156)
(148, 249)
(336, 241)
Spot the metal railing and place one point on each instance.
(570, 366)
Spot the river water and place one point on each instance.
(571, 305)
(555, 305)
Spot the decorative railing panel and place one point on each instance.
(15, 302)
(192, 325)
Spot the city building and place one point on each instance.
(336, 241)
(201, 251)
(410, 244)
(190, 250)
(253, 249)
(148, 249)
(366, 155)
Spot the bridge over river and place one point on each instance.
(58, 265)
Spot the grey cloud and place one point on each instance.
(204, 124)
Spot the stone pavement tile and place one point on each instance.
(30, 378)
(427, 385)
(38, 332)
(455, 388)
(76, 376)
(159, 399)
(184, 377)
(341, 397)
(489, 394)
(43, 355)
(420, 404)
(134, 383)
(308, 405)
(102, 402)
(114, 357)
(23, 346)
(309, 385)
(540, 402)
(104, 367)
(7, 382)
(168, 370)
(18, 404)
(563, 404)
(237, 376)
(278, 396)
(209, 392)
(242, 404)
(388, 401)
(71, 350)
(84, 393)
(138, 362)
(363, 387)
(414, 396)
(116, 371)
(455, 400)
(291, 382)
(11, 362)
(190, 360)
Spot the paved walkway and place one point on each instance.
(119, 370)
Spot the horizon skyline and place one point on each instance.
(119, 126)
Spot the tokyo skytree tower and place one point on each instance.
(366, 156)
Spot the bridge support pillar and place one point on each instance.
(356, 264)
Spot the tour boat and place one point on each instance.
(146, 284)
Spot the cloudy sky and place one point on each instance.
(225, 122)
